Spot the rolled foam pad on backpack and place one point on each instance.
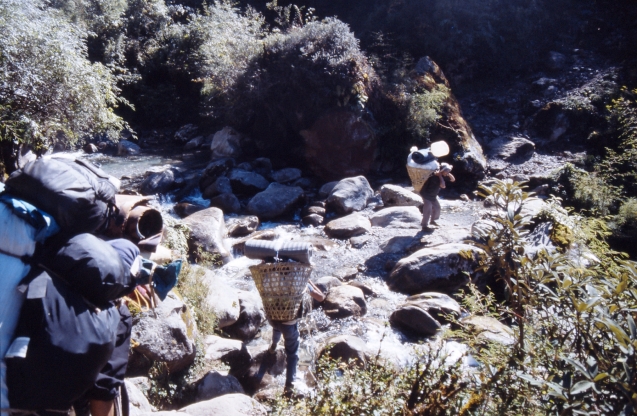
(76, 196)
(64, 345)
(264, 249)
(93, 268)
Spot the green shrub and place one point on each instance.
(49, 90)
(425, 109)
(628, 213)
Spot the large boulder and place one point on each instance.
(221, 185)
(277, 200)
(251, 317)
(214, 170)
(185, 133)
(423, 314)
(489, 328)
(511, 148)
(349, 226)
(160, 182)
(394, 195)
(167, 338)
(138, 403)
(228, 203)
(469, 161)
(246, 183)
(127, 148)
(286, 175)
(207, 230)
(397, 217)
(226, 143)
(214, 385)
(444, 269)
(350, 194)
(343, 301)
(228, 351)
(234, 404)
(339, 144)
(222, 299)
(346, 348)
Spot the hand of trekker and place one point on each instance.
(315, 292)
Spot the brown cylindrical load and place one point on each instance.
(137, 221)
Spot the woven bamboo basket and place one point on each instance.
(418, 177)
(281, 286)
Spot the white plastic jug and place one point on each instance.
(440, 148)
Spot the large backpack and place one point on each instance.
(92, 268)
(61, 343)
(76, 193)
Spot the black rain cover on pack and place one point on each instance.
(67, 344)
(93, 268)
(76, 193)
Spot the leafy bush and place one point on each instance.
(628, 213)
(574, 350)
(49, 90)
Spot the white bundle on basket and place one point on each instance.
(421, 164)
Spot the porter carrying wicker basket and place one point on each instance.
(418, 177)
(281, 286)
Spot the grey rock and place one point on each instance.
(253, 378)
(228, 351)
(242, 225)
(305, 183)
(214, 385)
(194, 143)
(138, 403)
(207, 230)
(185, 132)
(326, 189)
(262, 166)
(556, 60)
(394, 195)
(159, 182)
(364, 288)
(313, 219)
(90, 148)
(226, 143)
(234, 404)
(245, 166)
(314, 210)
(489, 328)
(438, 305)
(346, 348)
(251, 317)
(246, 183)
(184, 209)
(350, 194)
(221, 185)
(170, 339)
(359, 241)
(397, 217)
(127, 148)
(286, 175)
(228, 203)
(349, 226)
(510, 148)
(326, 283)
(276, 201)
(444, 269)
(214, 170)
(346, 274)
(415, 320)
(399, 244)
(343, 301)
(222, 299)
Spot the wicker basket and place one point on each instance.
(418, 177)
(281, 286)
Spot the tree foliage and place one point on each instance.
(49, 90)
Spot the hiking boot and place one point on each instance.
(427, 229)
(434, 223)
(272, 349)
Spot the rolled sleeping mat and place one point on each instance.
(265, 250)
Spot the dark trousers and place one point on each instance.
(291, 341)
